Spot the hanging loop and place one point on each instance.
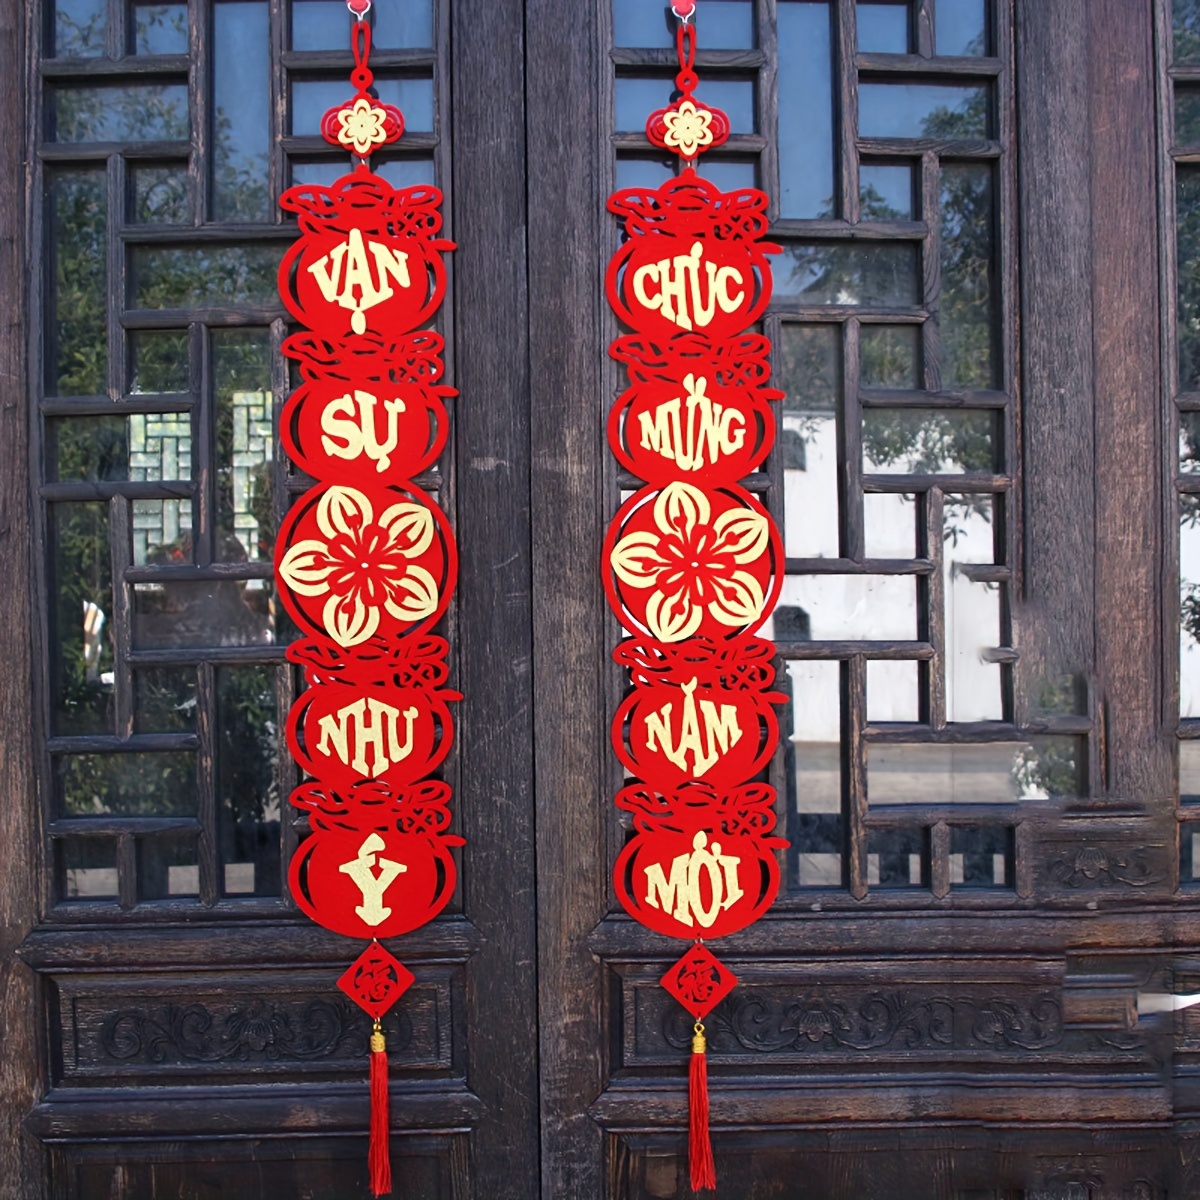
(360, 43)
(685, 10)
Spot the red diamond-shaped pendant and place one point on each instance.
(699, 982)
(376, 981)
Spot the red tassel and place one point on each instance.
(378, 1157)
(700, 1155)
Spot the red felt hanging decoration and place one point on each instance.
(366, 562)
(693, 564)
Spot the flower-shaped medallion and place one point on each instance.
(363, 127)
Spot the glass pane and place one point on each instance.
(247, 786)
(160, 362)
(242, 112)
(973, 773)
(728, 175)
(166, 277)
(805, 92)
(81, 646)
(80, 28)
(1187, 115)
(162, 532)
(161, 195)
(889, 525)
(312, 98)
(897, 858)
(164, 700)
(973, 683)
(395, 24)
(203, 613)
(1189, 771)
(92, 448)
(969, 529)
(923, 441)
(76, 322)
(168, 867)
(808, 367)
(966, 310)
(961, 27)
(125, 113)
(883, 28)
(1189, 606)
(813, 771)
(160, 446)
(853, 607)
(89, 868)
(878, 274)
(922, 110)
(885, 193)
(725, 26)
(160, 29)
(245, 444)
(889, 356)
(1187, 235)
(642, 172)
(636, 99)
(128, 785)
(1187, 30)
(981, 857)
(1189, 442)
(321, 25)
(1189, 853)
(406, 172)
(893, 691)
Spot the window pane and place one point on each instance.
(981, 857)
(966, 314)
(164, 700)
(312, 98)
(160, 362)
(645, 23)
(893, 690)
(396, 24)
(883, 28)
(885, 193)
(191, 277)
(898, 858)
(889, 525)
(636, 99)
(168, 867)
(1187, 30)
(80, 28)
(1189, 603)
(162, 532)
(853, 607)
(160, 195)
(923, 441)
(878, 274)
(128, 784)
(200, 613)
(126, 113)
(1187, 234)
(160, 29)
(76, 326)
(1189, 771)
(922, 110)
(89, 867)
(241, 106)
(805, 111)
(889, 356)
(961, 27)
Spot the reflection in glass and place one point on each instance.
(160, 362)
(245, 444)
(81, 645)
(76, 328)
(202, 613)
(1189, 606)
(727, 26)
(1186, 24)
(161, 195)
(1189, 853)
(898, 858)
(889, 525)
(923, 441)
(312, 98)
(642, 172)
(805, 91)
(1189, 771)
(1189, 442)
(162, 532)
(247, 786)
(965, 312)
(91, 448)
(164, 700)
(241, 112)
(889, 356)
(399, 172)
(1187, 235)
(961, 27)
(636, 99)
(812, 762)
(922, 110)
(193, 276)
(879, 274)
(396, 24)
(969, 528)
(168, 867)
(128, 784)
(89, 868)
(973, 773)
(729, 174)
(883, 28)
(973, 684)
(807, 366)
(121, 113)
(885, 193)
(981, 856)
(853, 607)
(892, 690)
(80, 27)
(160, 29)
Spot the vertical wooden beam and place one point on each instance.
(22, 1160)
(489, 499)
(567, 333)
(1129, 415)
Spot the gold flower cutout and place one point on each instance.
(692, 563)
(362, 127)
(688, 129)
(364, 565)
